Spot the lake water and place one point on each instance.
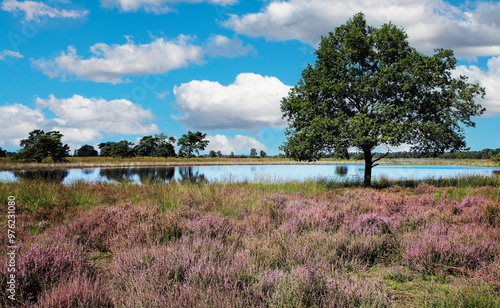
(251, 173)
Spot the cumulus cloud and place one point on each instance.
(252, 101)
(34, 10)
(9, 53)
(112, 63)
(430, 24)
(78, 118)
(154, 6)
(17, 120)
(238, 143)
(489, 79)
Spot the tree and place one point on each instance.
(40, 145)
(219, 154)
(86, 151)
(121, 149)
(105, 148)
(496, 157)
(192, 142)
(253, 153)
(263, 154)
(368, 88)
(232, 155)
(213, 154)
(147, 146)
(3, 153)
(165, 146)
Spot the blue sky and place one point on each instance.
(121, 69)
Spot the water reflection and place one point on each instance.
(239, 173)
(341, 170)
(56, 176)
(119, 175)
(160, 175)
(189, 175)
(88, 171)
(148, 175)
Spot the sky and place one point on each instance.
(109, 70)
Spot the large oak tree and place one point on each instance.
(369, 88)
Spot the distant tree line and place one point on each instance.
(40, 145)
(159, 145)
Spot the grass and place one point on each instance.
(432, 243)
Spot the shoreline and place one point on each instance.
(11, 166)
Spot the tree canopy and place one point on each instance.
(86, 151)
(192, 142)
(40, 145)
(121, 149)
(369, 88)
(159, 146)
(253, 153)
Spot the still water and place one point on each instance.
(239, 173)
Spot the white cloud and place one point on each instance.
(112, 63)
(430, 24)
(95, 115)
(154, 6)
(161, 95)
(34, 10)
(10, 53)
(79, 119)
(489, 79)
(220, 45)
(16, 121)
(237, 144)
(252, 101)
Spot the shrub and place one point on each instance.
(78, 291)
(438, 245)
(42, 267)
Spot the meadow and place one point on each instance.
(433, 243)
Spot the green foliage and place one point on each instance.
(159, 146)
(253, 153)
(192, 143)
(232, 155)
(40, 145)
(121, 149)
(3, 153)
(86, 151)
(368, 88)
(147, 146)
(263, 154)
(213, 154)
(219, 154)
(496, 157)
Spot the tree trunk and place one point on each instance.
(368, 168)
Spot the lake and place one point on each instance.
(251, 173)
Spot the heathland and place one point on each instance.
(292, 244)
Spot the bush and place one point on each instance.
(41, 268)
